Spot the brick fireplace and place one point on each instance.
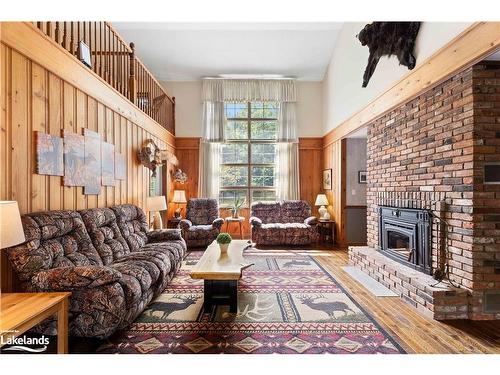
(432, 152)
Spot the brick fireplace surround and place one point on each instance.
(433, 149)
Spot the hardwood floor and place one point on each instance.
(415, 333)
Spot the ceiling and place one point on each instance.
(190, 51)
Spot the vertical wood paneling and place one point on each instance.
(69, 115)
(32, 98)
(56, 191)
(310, 170)
(20, 133)
(38, 123)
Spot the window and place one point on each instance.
(248, 157)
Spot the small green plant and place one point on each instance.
(223, 238)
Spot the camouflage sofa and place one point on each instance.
(202, 223)
(283, 223)
(106, 257)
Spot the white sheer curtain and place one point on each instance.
(215, 92)
(287, 171)
(209, 170)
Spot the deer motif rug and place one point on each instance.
(287, 303)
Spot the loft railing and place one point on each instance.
(115, 62)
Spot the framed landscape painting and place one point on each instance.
(327, 179)
(92, 162)
(49, 154)
(74, 159)
(108, 164)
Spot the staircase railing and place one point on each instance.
(115, 62)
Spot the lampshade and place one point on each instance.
(321, 200)
(179, 196)
(157, 203)
(11, 228)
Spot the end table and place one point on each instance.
(22, 311)
(173, 223)
(326, 230)
(238, 220)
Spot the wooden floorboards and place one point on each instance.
(414, 332)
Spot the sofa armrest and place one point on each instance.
(311, 220)
(185, 224)
(255, 221)
(164, 235)
(217, 223)
(73, 278)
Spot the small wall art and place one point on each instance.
(92, 162)
(108, 164)
(362, 177)
(49, 154)
(74, 159)
(327, 179)
(120, 166)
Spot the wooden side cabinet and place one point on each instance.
(326, 230)
(22, 311)
(173, 223)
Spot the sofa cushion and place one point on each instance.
(202, 211)
(267, 212)
(295, 211)
(53, 239)
(137, 278)
(133, 225)
(105, 235)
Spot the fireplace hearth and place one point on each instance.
(405, 236)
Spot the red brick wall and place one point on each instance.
(486, 198)
(433, 147)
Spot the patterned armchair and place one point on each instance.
(89, 254)
(202, 223)
(283, 223)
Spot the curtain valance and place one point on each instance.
(248, 90)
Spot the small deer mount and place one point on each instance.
(387, 39)
(180, 176)
(151, 156)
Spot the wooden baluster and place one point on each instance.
(48, 27)
(106, 51)
(132, 86)
(58, 33)
(119, 55)
(101, 73)
(173, 115)
(65, 36)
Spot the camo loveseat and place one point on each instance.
(105, 257)
(283, 223)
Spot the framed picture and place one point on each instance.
(84, 53)
(120, 166)
(74, 159)
(92, 163)
(49, 154)
(327, 179)
(108, 164)
(362, 177)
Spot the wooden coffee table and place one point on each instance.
(221, 273)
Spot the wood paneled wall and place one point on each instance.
(334, 158)
(310, 171)
(34, 98)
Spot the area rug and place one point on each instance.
(287, 303)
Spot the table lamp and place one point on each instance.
(157, 204)
(322, 200)
(11, 228)
(179, 198)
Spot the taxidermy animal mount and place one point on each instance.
(151, 156)
(389, 38)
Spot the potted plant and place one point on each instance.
(223, 239)
(235, 208)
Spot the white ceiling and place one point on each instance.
(190, 51)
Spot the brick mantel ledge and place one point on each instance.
(441, 302)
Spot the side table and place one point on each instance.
(173, 223)
(326, 230)
(238, 220)
(22, 311)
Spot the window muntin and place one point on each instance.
(248, 157)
